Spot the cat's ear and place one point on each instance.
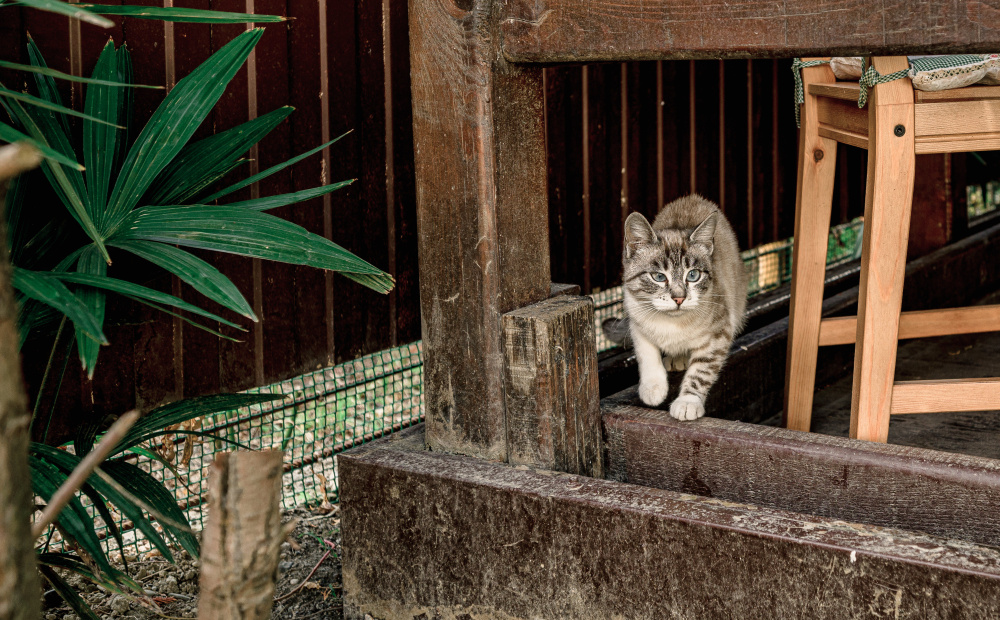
(704, 235)
(637, 232)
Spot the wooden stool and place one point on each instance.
(898, 124)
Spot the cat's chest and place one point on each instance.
(672, 333)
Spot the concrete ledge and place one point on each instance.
(429, 535)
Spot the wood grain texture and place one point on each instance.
(243, 536)
(571, 546)
(479, 145)
(888, 198)
(918, 324)
(860, 482)
(958, 117)
(813, 205)
(571, 30)
(550, 386)
(946, 395)
(19, 585)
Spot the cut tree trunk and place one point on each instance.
(19, 590)
(243, 536)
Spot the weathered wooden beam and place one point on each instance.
(497, 541)
(550, 384)
(950, 495)
(243, 536)
(601, 30)
(482, 217)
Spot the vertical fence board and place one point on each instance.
(564, 122)
(345, 160)
(305, 94)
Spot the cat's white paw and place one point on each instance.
(653, 391)
(687, 408)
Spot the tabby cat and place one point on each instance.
(685, 293)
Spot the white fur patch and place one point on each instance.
(687, 408)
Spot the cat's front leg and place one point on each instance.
(652, 374)
(703, 370)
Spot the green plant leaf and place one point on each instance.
(65, 462)
(266, 173)
(180, 316)
(70, 187)
(203, 277)
(90, 262)
(9, 134)
(203, 162)
(72, 10)
(68, 77)
(68, 594)
(178, 14)
(47, 88)
(182, 411)
(152, 491)
(46, 288)
(248, 233)
(46, 105)
(281, 200)
(128, 288)
(73, 519)
(100, 140)
(175, 121)
(70, 562)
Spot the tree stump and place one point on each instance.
(243, 536)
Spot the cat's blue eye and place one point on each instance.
(694, 275)
(658, 276)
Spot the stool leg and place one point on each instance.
(888, 199)
(813, 200)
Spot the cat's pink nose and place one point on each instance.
(678, 300)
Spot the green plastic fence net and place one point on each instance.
(333, 409)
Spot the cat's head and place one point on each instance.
(670, 271)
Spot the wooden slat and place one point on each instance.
(842, 115)
(843, 91)
(845, 137)
(946, 395)
(861, 482)
(957, 94)
(813, 203)
(958, 143)
(918, 324)
(957, 117)
(574, 31)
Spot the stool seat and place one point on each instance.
(898, 124)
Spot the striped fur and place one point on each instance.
(693, 250)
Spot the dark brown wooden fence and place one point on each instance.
(621, 137)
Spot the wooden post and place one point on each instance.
(883, 257)
(18, 575)
(243, 536)
(479, 142)
(813, 202)
(550, 383)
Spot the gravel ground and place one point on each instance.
(174, 588)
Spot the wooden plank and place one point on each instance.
(946, 395)
(279, 338)
(918, 324)
(572, 546)
(957, 94)
(837, 114)
(573, 31)
(306, 65)
(861, 482)
(845, 137)
(842, 91)
(958, 118)
(407, 291)
(565, 140)
(959, 143)
(550, 386)
(888, 198)
(813, 204)
(479, 141)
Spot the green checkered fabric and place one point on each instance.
(942, 67)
